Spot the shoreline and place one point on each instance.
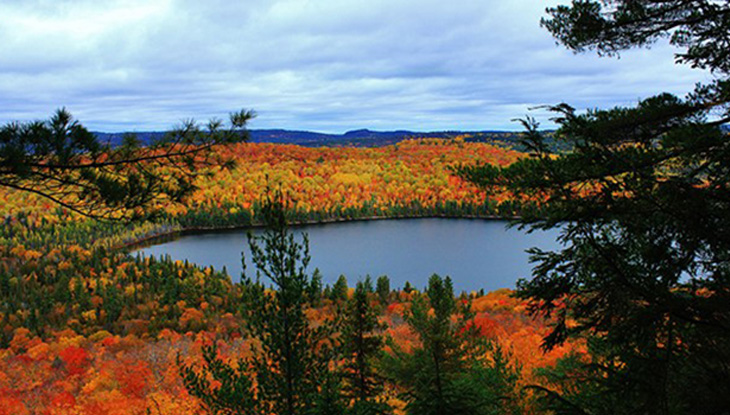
(175, 233)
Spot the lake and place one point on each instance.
(475, 253)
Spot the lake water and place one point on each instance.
(476, 253)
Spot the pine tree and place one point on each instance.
(234, 396)
(339, 290)
(292, 355)
(62, 161)
(643, 201)
(383, 289)
(314, 290)
(451, 371)
(291, 360)
(361, 346)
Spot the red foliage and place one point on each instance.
(63, 400)
(133, 378)
(75, 359)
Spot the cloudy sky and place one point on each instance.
(323, 65)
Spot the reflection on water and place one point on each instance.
(475, 253)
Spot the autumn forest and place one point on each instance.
(629, 315)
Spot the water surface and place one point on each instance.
(476, 253)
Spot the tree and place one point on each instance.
(643, 200)
(698, 26)
(314, 290)
(361, 346)
(234, 394)
(455, 370)
(383, 289)
(293, 356)
(62, 161)
(339, 290)
(291, 359)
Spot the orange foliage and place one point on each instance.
(321, 179)
(108, 374)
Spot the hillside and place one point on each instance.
(354, 138)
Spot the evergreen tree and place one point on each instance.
(339, 290)
(61, 160)
(329, 399)
(361, 345)
(291, 363)
(234, 396)
(383, 289)
(454, 370)
(292, 356)
(368, 284)
(643, 200)
(314, 290)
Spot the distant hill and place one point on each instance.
(355, 138)
(363, 138)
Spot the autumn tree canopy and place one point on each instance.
(62, 161)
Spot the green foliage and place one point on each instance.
(292, 357)
(62, 161)
(643, 204)
(455, 370)
(361, 346)
(339, 290)
(368, 284)
(382, 288)
(699, 26)
(234, 396)
(329, 399)
(314, 290)
(291, 360)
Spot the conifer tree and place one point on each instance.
(314, 290)
(643, 201)
(235, 394)
(383, 289)
(454, 370)
(291, 359)
(339, 290)
(60, 160)
(292, 355)
(361, 346)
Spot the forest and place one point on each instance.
(630, 316)
(87, 328)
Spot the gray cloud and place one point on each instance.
(326, 65)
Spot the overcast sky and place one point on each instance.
(322, 65)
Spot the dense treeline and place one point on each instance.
(86, 328)
(339, 366)
(81, 366)
(60, 270)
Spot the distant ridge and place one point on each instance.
(354, 138)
